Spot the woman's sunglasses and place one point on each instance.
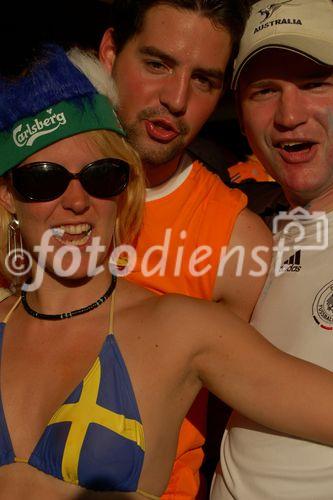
(46, 181)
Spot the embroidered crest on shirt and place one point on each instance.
(322, 307)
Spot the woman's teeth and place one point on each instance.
(77, 234)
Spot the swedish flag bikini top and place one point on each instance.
(95, 439)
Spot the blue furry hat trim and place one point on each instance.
(54, 100)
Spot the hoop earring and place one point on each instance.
(14, 239)
(16, 260)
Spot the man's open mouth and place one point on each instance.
(293, 151)
(161, 130)
(295, 147)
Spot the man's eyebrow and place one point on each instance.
(320, 73)
(210, 72)
(260, 83)
(155, 52)
(149, 50)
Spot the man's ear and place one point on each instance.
(6, 196)
(107, 50)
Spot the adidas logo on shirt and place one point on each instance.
(293, 263)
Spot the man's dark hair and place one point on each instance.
(127, 16)
(127, 19)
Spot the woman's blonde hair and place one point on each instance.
(5, 219)
(130, 202)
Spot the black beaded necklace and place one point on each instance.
(70, 314)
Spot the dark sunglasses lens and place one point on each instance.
(105, 178)
(40, 181)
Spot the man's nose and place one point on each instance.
(291, 110)
(175, 93)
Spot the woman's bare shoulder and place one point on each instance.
(171, 312)
(135, 293)
(157, 303)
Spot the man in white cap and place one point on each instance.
(283, 78)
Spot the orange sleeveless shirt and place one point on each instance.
(201, 212)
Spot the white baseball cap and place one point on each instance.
(301, 26)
